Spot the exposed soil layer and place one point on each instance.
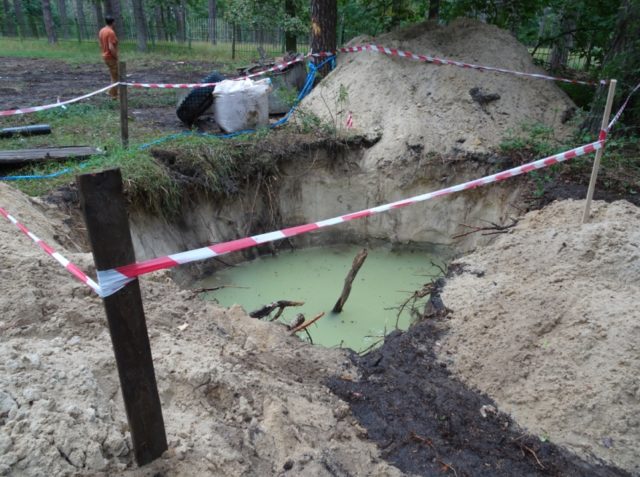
(427, 422)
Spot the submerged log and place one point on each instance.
(267, 309)
(355, 267)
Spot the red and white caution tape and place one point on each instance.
(443, 61)
(278, 67)
(624, 105)
(71, 268)
(33, 109)
(113, 280)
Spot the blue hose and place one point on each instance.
(308, 85)
(311, 76)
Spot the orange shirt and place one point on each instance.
(108, 43)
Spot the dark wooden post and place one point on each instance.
(105, 214)
(124, 104)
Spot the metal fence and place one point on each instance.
(238, 38)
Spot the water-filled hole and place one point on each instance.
(316, 276)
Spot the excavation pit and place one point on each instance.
(380, 300)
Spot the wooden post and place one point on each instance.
(124, 104)
(599, 152)
(105, 214)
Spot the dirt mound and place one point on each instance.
(428, 423)
(239, 396)
(439, 108)
(546, 322)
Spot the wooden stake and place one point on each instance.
(355, 267)
(105, 214)
(599, 152)
(124, 104)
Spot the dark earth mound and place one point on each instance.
(427, 422)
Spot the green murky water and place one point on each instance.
(316, 276)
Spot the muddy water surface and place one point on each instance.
(316, 276)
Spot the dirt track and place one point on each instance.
(31, 82)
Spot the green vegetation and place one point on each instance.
(84, 52)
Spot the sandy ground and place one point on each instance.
(422, 105)
(546, 322)
(239, 396)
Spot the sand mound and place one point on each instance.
(422, 105)
(546, 321)
(239, 396)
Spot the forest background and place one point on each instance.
(586, 38)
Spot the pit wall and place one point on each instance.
(321, 184)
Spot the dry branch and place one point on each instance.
(355, 267)
(307, 324)
(491, 230)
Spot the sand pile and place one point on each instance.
(421, 105)
(546, 321)
(239, 396)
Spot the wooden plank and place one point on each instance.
(105, 214)
(20, 156)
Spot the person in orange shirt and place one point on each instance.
(109, 46)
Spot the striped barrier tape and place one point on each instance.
(71, 268)
(33, 109)
(443, 61)
(624, 105)
(114, 279)
(278, 67)
(281, 66)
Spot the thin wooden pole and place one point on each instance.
(105, 214)
(124, 104)
(599, 152)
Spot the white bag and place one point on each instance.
(241, 104)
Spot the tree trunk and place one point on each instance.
(622, 62)
(324, 18)
(160, 30)
(115, 10)
(233, 41)
(396, 8)
(64, 19)
(9, 27)
(20, 20)
(290, 39)
(560, 50)
(97, 6)
(434, 9)
(181, 33)
(141, 24)
(82, 21)
(48, 21)
(213, 15)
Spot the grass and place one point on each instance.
(96, 124)
(75, 52)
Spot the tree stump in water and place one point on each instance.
(355, 267)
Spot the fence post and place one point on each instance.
(124, 104)
(599, 152)
(105, 214)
